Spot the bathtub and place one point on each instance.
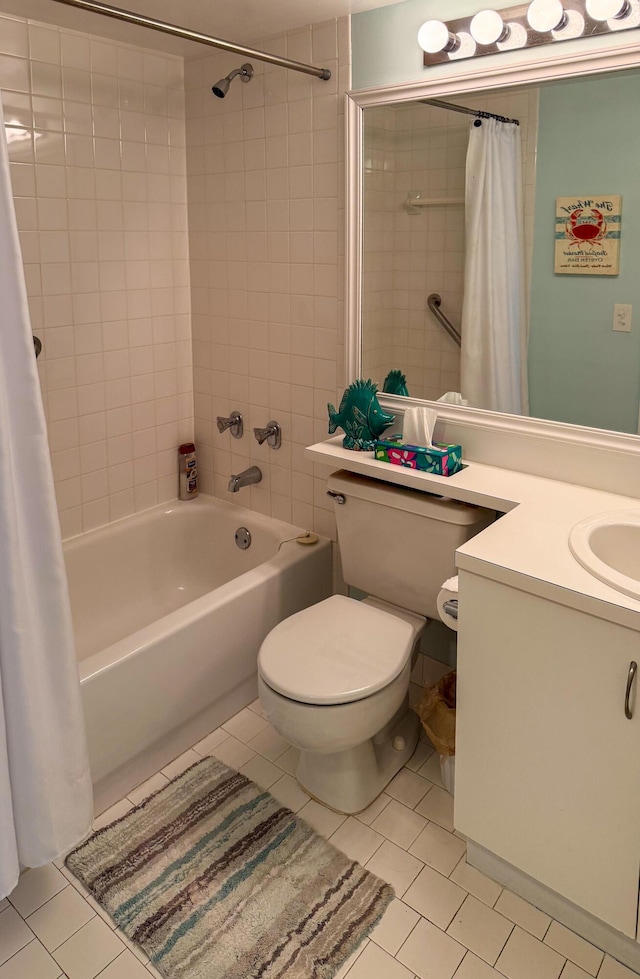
(169, 614)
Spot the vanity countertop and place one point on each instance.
(528, 547)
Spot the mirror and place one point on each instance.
(580, 138)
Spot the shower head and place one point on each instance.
(222, 87)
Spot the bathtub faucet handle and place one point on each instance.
(272, 435)
(234, 423)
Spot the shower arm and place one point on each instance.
(215, 42)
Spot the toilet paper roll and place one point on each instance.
(448, 592)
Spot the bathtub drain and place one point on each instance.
(243, 538)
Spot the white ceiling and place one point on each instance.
(240, 21)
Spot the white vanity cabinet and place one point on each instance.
(547, 764)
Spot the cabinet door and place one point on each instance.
(547, 764)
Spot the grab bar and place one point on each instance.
(434, 302)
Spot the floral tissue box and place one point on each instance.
(440, 458)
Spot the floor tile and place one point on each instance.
(3, 904)
(480, 929)
(256, 707)
(474, 968)
(211, 741)
(269, 743)
(126, 966)
(324, 820)
(429, 953)
(232, 752)
(261, 771)
(399, 823)
(245, 725)
(111, 814)
(371, 812)
(431, 769)
(32, 962)
(147, 788)
(181, 763)
(485, 889)
(438, 849)
(437, 805)
(35, 887)
(395, 865)
(154, 972)
(408, 787)
(288, 762)
(524, 957)
(579, 951)
(343, 970)
(287, 791)
(611, 969)
(14, 934)
(523, 914)
(375, 963)
(570, 971)
(435, 897)
(422, 753)
(397, 923)
(60, 918)
(89, 951)
(359, 842)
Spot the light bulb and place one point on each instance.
(608, 9)
(546, 15)
(488, 27)
(434, 36)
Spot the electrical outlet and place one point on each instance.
(622, 317)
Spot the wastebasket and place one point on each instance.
(437, 712)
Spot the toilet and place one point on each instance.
(333, 679)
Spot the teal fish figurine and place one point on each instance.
(396, 383)
(360, 415)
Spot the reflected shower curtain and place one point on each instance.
(494, 346)
(46, 801)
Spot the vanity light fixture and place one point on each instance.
(539, 22)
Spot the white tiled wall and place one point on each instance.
(96, 136)
(265, 173)
(422, 149)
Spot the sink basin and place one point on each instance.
(608, 547)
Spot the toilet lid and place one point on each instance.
(335, 652)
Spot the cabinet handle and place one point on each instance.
(633, 669)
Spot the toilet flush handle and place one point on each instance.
(337, 497)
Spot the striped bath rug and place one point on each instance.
(215, 879)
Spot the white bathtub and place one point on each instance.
(169, 615)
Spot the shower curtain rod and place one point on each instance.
(215, 42)
(480, 113)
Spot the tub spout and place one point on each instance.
(248, 476)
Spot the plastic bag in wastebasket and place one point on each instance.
(437, 711)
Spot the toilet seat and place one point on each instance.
(335, 652)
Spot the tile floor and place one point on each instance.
(447, 920)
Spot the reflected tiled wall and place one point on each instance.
(96, 136)
(265, 173)
(421, 149)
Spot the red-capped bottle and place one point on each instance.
(187, 471)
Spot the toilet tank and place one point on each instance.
(399, 544)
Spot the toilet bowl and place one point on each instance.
(333, 679)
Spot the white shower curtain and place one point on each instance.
(46, 800)
(493, 357)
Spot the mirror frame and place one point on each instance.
(466, 78)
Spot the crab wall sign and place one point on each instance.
(588, 235)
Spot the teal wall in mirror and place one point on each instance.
(580, 370)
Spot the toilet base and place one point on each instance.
(348, 781)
